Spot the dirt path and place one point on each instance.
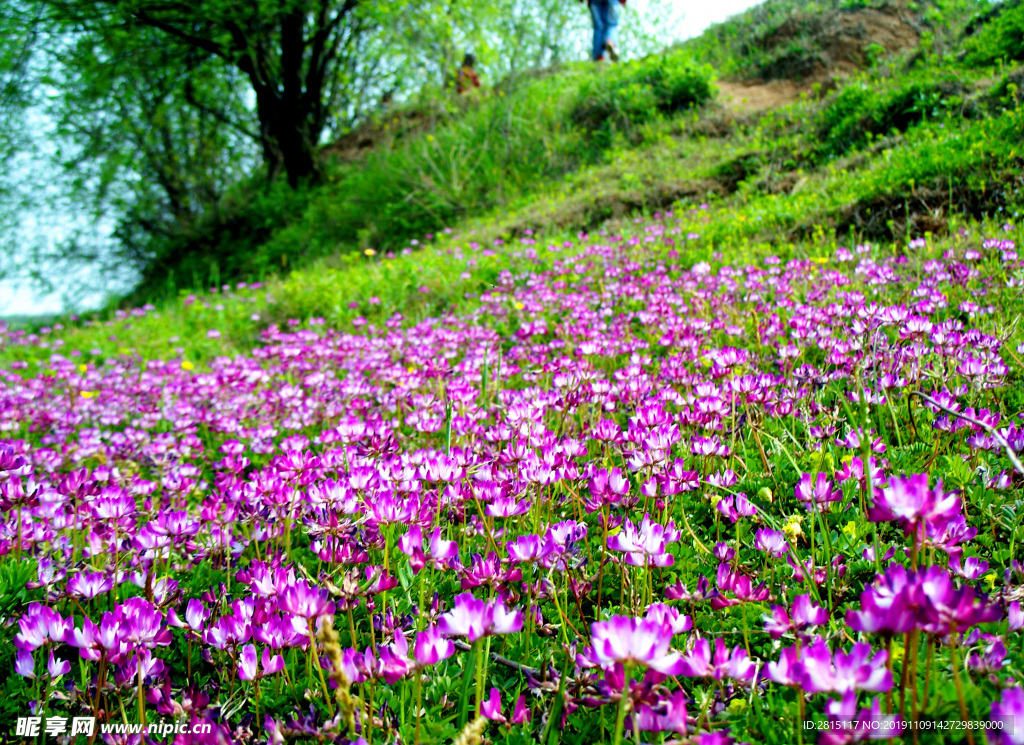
(748, 97)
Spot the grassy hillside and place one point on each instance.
(899, 114)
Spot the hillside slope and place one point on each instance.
(838, 115)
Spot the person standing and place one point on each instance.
(467, 79)
(605, 16)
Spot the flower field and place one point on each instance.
(620, 496)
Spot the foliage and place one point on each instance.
(632, 94)
(789, 32)
(471, 161)
(1001, 38)
(861, 112)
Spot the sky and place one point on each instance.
(21, 298)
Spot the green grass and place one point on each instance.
(473, 159)
(589, 146)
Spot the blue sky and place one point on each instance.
(20, 298)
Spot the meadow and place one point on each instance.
(619, 495)
(710, 434)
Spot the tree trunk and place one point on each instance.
(300, 157)
(287, 143)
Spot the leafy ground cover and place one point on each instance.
(609, 488)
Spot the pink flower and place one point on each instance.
(247, 663)
(856, 670)
(633, 640)
(431, 647)
(913, 505)
(491, 708)
(475, 619)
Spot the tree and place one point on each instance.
(284, 49)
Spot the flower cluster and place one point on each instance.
(396, 529)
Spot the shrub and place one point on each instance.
(629, 95)
(1001, 38)
(858, 113)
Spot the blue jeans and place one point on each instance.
(606, 18)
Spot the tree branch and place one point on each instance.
(459, 644)
(990, 431)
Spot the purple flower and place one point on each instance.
(739, 585)
(946, 608)
(772, 542)
(196, 615)
(305, 601)
(701, 663)
(667, 715)
(491, 708)
(431, 647)
(249, 670)
(856, 670)
(909, 502)
(89, 585)
(1009, 712)
(785, 671)
(804, 616)
(735, 507)
(670, 617)
(639, 641)
(527, 549)
(394, 659)
(971, 568)
(57, 669)
(39, 625)
(521, 713)
(143, 624)
(441, 552)
(821, 493)
(1015, 616)
(25, 664)
(475, 619)
(644, 545)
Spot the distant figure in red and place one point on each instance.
(467, 77)
(605, 16)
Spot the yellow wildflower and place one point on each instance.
(792, 527)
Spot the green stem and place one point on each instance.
(620, 721)
(320, 670)
(960, 688)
